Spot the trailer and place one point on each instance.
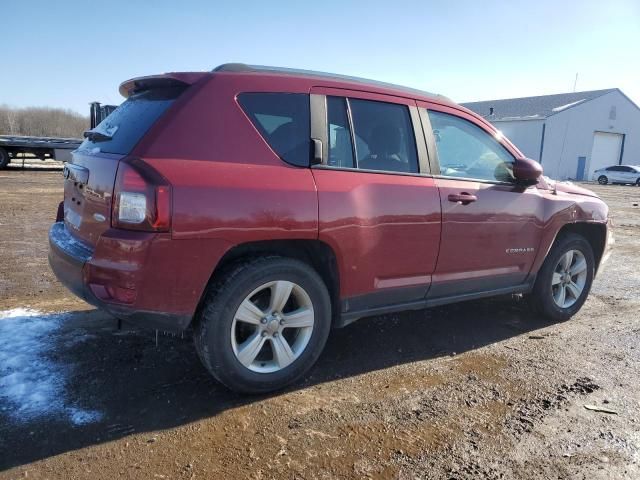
(99, 112)
(16, 148)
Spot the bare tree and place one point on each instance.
(42, 121)
(12, 121)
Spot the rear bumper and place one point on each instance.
(67, 258)
(92, 278)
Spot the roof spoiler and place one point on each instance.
(174, 79)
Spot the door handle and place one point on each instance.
(463, 198)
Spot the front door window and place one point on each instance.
(467, 151)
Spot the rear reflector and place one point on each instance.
(113, 293)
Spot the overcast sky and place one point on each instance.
(68, 53)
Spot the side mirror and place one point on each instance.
(527, 171)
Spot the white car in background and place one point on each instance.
(617, 174)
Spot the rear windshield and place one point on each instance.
(128, 123)
(283, 121)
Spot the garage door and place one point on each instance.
(605, 151)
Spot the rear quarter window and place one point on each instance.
(128, 123)
(283, 121)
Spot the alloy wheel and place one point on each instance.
(569, 278)
(272, 326)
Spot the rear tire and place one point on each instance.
(264, 324)
(638, 182)
(4, 158)
(564, 281)
(603, 180)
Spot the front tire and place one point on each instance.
(603, 180)
(564, 281)
(264, 324)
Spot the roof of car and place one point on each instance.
(293, 72)
(532, 108)
(637, 167)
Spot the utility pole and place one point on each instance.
(575, 82)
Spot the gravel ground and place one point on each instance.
(477, 390)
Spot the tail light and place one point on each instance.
(141, 198)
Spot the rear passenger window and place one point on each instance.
(283, 121)
(383, 135)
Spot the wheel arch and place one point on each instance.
(594, 233)
(315, 253)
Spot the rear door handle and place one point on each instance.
(463, 198)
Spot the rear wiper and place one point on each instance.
(95, 136)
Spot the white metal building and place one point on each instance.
(571, 134)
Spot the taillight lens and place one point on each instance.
(141, 198)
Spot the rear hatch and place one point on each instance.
(90, 177)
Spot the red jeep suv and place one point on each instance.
(263, 206)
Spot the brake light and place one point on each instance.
(141, 198)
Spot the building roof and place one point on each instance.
(532, 108)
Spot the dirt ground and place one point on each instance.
(477, 390)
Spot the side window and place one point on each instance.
(467, 151)
(383, 136)
(283, 121)
(340, 144)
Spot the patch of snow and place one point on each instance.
(63, 238)
(32, 385)
(87, 149)
(111, 130)
(564, 107)
(83, 417)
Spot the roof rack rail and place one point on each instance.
(243, 67)
(233, 67)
